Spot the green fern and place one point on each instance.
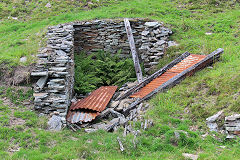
(101, 69)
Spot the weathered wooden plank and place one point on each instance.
(154, 75)
(175, 80)
(133, 51)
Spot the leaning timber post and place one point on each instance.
(133, 50)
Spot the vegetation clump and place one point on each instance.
(101, 69)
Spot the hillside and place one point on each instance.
(199, 27)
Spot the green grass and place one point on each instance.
(182, 108)
(15, 95)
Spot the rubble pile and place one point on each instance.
(112, 117)
(232, 125)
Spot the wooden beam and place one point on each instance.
(133, 50)
(178, 78)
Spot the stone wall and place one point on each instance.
(151, 38)
(232, 126)
(54, 70)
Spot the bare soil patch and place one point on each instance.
(17, 75)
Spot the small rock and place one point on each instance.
(55, 123)
(44, 73)
(214, 117)
(151, 24)
(48, 5)
(190, 156)
(40, 95)
(90, 130)
(212, 126)
(124, 104)
(99, 126)
(61, 52)
(161, 42)
(205, 135)
(210, 67)
(172, 43)
(23, 59)
(26, 103)
(42, 81)
(232, 117)
(144, 33)
(177, 135)
(114, 104)
(15, 18)
(208, 33)
(90, 3)
(132, 84)
(41, 115)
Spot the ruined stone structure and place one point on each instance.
(55, 67)
(151, 38)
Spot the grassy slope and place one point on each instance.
(182, 108)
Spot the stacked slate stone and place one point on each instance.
(154, 42)
(107, 35)
(232, 125)
(53, 90)
(151, 38)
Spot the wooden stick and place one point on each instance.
(120, 144)
(133, 50)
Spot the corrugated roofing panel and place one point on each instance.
(187, 62)
(97, 100)
(81, 116)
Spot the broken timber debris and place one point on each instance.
(133, 50)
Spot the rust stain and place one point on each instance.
(187, 62)
(87, 109)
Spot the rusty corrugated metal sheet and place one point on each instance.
(187, 62)
(87, 109)
(97, 100)
(81, 116)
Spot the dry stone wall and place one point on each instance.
(54, 70)
(151, 38)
